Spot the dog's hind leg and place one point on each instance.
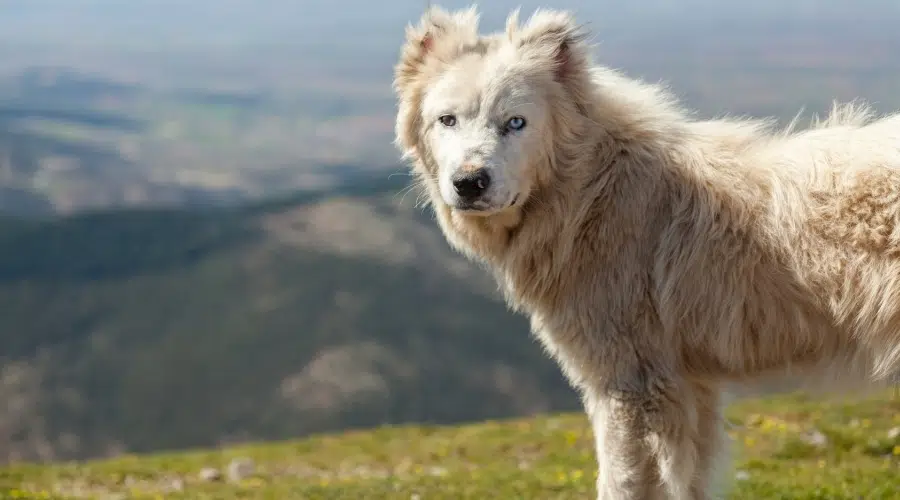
(707, 437)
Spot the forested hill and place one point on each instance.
(137, 330)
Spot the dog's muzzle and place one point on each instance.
(470, 186)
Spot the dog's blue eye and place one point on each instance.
(447, 120)
(516, 123)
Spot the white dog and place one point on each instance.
(658, 257)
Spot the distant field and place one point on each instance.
(78, 139)
(854, 453)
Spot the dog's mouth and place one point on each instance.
(474, 209)
(482, 208)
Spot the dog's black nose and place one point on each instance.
(472, 184)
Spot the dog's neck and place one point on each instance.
(638, 128)
(542, 231)
(530, 250)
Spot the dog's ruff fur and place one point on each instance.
(658, 256)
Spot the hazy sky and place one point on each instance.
(308, 21)
(367, 35)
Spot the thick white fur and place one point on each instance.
(658, 256)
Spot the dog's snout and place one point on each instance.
(470, 184)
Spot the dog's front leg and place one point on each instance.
(656, 442)
(625, 467)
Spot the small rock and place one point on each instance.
(210, 474)
(177, 484)
(742, 475)
(816, 439)
(415, 496)
(437, 471)
(240, 469)
(894, 433)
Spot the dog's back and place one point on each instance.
(788, 255)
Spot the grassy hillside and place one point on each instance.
(855, 453)
(145, 330)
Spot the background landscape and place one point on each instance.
(206, 237)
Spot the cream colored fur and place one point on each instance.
(658, 256)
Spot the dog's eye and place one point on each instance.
(447, 120)
(515, 123)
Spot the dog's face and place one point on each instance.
(476, 113)
(482, 123)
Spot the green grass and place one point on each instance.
(548, 457)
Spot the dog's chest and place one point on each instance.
(572, 348)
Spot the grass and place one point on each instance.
(547, 457)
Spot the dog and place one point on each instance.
(658, 256)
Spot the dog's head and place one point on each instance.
(479, 115)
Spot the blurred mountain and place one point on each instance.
(139, 330)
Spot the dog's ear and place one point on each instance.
(437, 31)
(439, 36)
(552, 37)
